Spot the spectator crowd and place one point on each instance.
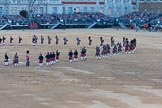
(83, 18)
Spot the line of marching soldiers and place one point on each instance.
(73, 56)
(49, 39)
(65, 40)
(51, 57)
(130, 47)
(2, 40)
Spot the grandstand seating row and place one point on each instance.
(90, 19)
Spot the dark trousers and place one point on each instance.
(27, 63)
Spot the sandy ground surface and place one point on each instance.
(124, 81)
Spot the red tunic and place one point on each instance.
(27, 57)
